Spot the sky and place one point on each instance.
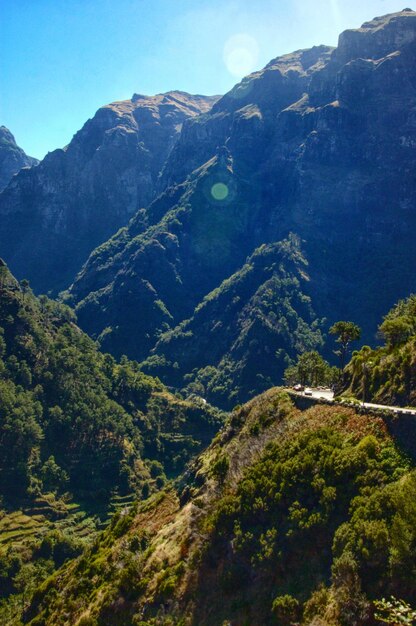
(60, 60)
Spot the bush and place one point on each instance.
(220, 468)
(286, 609)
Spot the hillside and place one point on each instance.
(80, 433)
(320, 144)
(12, 157)
(277, 489)
(55, 215)
(194, 252)
(387, 374)
(242, 336)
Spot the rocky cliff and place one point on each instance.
(321, 143)
(12, 158)
(55, 215)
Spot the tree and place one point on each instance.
(346, 333)
(396, 330)
(360, 367)
(310, 369)
(220, 468)
(25, 285)
(54, 478)
(286, 609)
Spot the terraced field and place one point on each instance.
(22, 527)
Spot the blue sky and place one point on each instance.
(60, 60)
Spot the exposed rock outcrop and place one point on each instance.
(12, 158)
(321, 143)
(55, 215)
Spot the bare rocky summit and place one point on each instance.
(320, 143)
(12, 158)
(55, 215)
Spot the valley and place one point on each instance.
(208, 352)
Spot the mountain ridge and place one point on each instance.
(12, 157)
(319, 143)
(331, 164)
(80, 195)
(276, 487)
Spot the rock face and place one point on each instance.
(320, 143)
(55, 215)
(12, 158)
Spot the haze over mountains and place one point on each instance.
(320, 143)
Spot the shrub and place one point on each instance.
(220, 468)
(286, 609)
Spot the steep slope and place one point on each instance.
(288, 517)
(154, 273)
(53, 216)
(80, 435)
(387, 374)
(319, 143)
(243, 334)
(61, 397)
(245, 118)
(12, 158)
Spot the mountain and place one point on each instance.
(320, 143)
(55, 215)
(257, 317)
(289, 517)
(61, 397)
(12, 158)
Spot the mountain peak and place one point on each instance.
(5, 132)
(80, 196)
(12, 158)
(379, 37)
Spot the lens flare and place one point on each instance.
(219, 191)
(241, 54)
(336, 13)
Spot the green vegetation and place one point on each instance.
(395, 612)
(339, 504)
(79, 433)
(311, 369)
(243, 335)
(387, 374)
(74, 419)
(227, 539)
(310, 520)
(346, 332)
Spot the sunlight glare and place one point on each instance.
(241, 54)
(219, 191)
